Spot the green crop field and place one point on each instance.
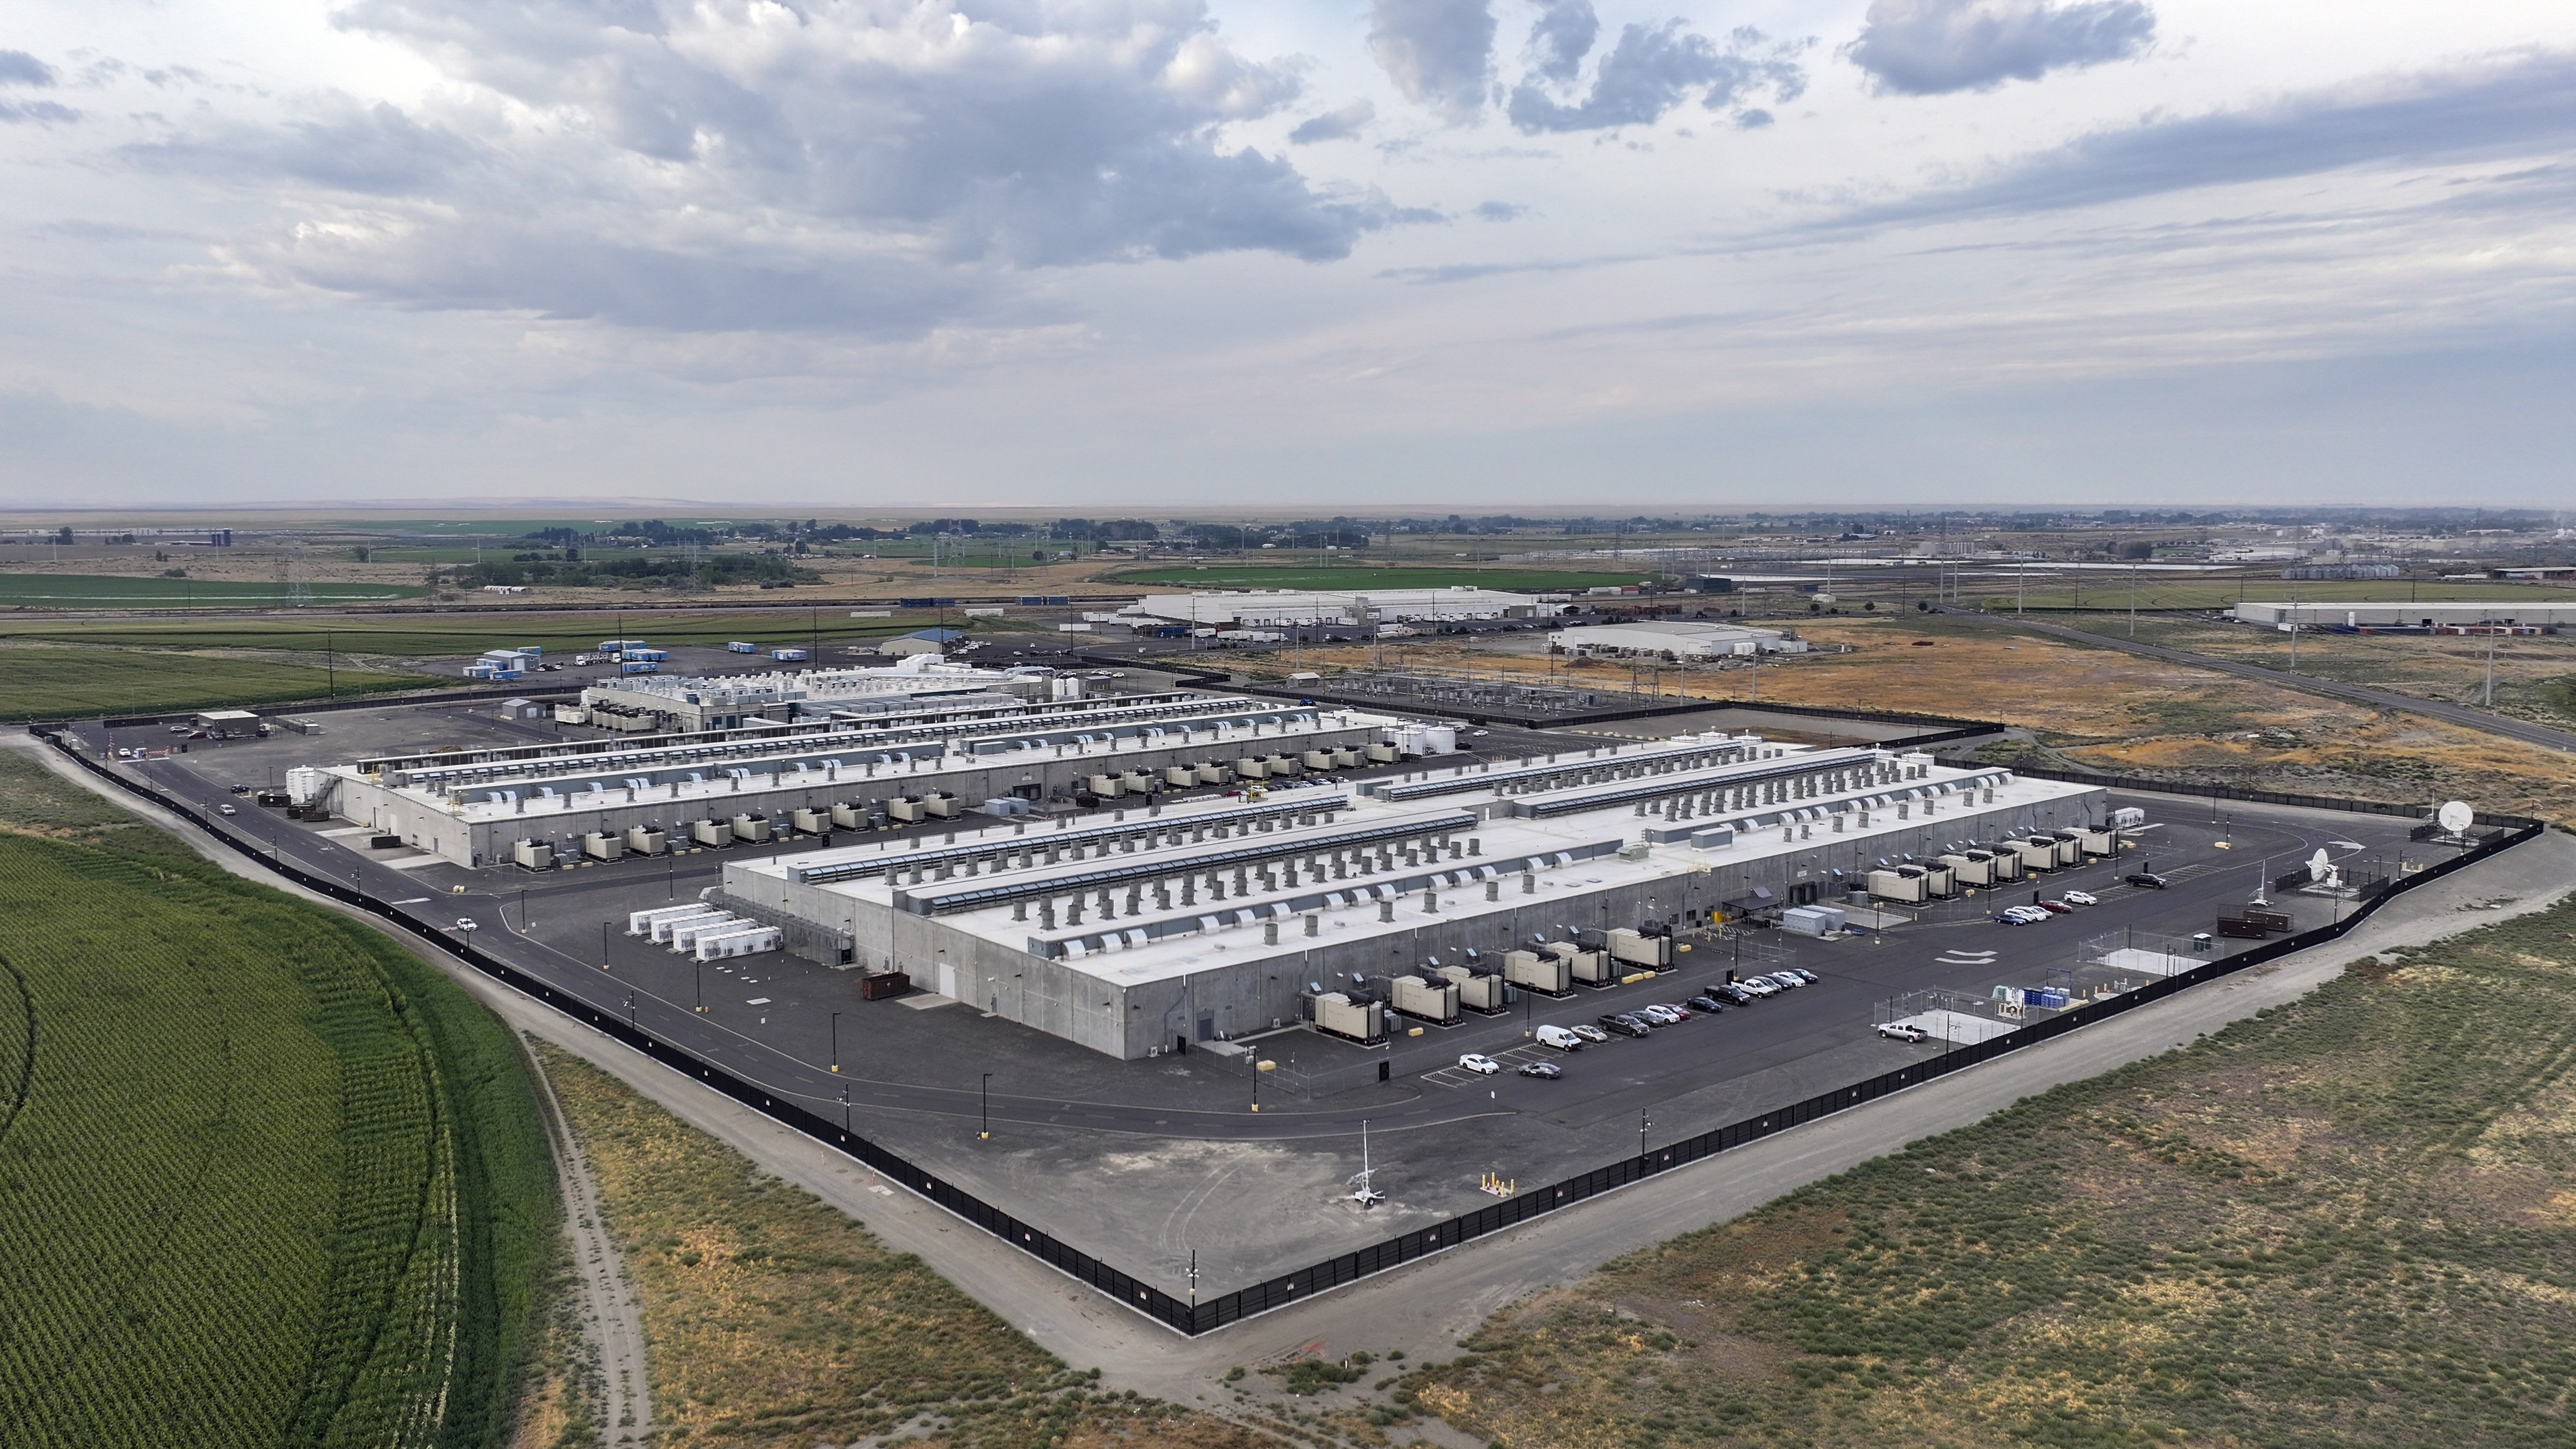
(428, 635)
(264, 1179)
(2343, 1222)
(107, 591)
(2212, 593)
(1364, 577)
(89, 683)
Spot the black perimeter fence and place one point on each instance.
(1187, 1317)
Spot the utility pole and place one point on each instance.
(836, 1041)
(2487, 699)
(988, 1108)
(603, 945)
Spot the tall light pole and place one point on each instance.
(988, 1108)
(836, 1041)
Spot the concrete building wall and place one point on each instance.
(2539, 609)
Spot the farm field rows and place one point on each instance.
(264, 1179)
(91, 682)
(2340, 1223)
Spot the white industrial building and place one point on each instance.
(1446, 890)
(1332, 607)
(1674, 638)
(659, 702)
(2542, 610)
(539, 805)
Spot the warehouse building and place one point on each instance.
(1445, 890)
(542, 805)
(656, 702)
(1673, 638)
(2542, 610)
(1328, 607)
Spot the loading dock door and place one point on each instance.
(948, 979)
(1207, 1026)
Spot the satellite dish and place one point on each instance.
(2319, 867)
(2455, 816)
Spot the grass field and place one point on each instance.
(264, 1179)
(106, 591)
(430, 636)
(2212, 593)
(2345, 1222)
(773, 1320)
(1363, 577)
(89, 683)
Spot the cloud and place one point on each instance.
(1655, 68)
(1439, 53)
(1338, 125)
(2521, 104)
(376, 150)
(18, 68)
(1561, 37)
(845, 165)
(1499, 211)
(1933, 47)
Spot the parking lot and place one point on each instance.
(1077, 1134)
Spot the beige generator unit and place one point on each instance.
(1360, 1021)
(1591, 968)
(711, 833)
(1432, 1001)
(810, 821)
(646, 840)
(1107, 787)
(663, 928)
(2069, 846)
(2003, 862)
(1180, 777)
(1317, 759)
(600, 845)
(1904, 883)
(1139, 782)
(1939, 880)
(2098, 842)
(849, 815)
(534, 854)
(1477, 990)
(1971, 867)
(751, 828)
(1382, 754)
(2038, 853)
(1544, 974)
(1636, 948)
(750, 940)
(1345, 758)
(1251, 767)
(932, 806)
(1282, 765)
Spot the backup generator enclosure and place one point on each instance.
(1432, 1001)
(711, 833)
(599, 845)
(1904, 883)
(1636, 948)
(533, 854)
(1480, 991)
(1545, 974)
(2037, 854)
(753, 828)
(811, 822)
(645, 840)
(1363, 1020)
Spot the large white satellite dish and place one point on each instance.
(2319, 867)
(2455, 816)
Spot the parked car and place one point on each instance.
(1657, 1015)
(2021, 915)
(1558, 1037)
(2082, 898)
(1705, 1005)
(1479, 1063)
(1624, 1026)
(2057, 908)
(1789, 980)
(1588, 1031)
(1731, 994)
(466, 923)
(1758, 986)
(226, 809)
(1680, 1011)
(1902, 1031)
(1549, 1070)
(1802, 973)
(2147, 880)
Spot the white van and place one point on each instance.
(1559, 1038)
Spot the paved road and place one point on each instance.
(2459, 714)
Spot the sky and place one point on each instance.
(1465, 254)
